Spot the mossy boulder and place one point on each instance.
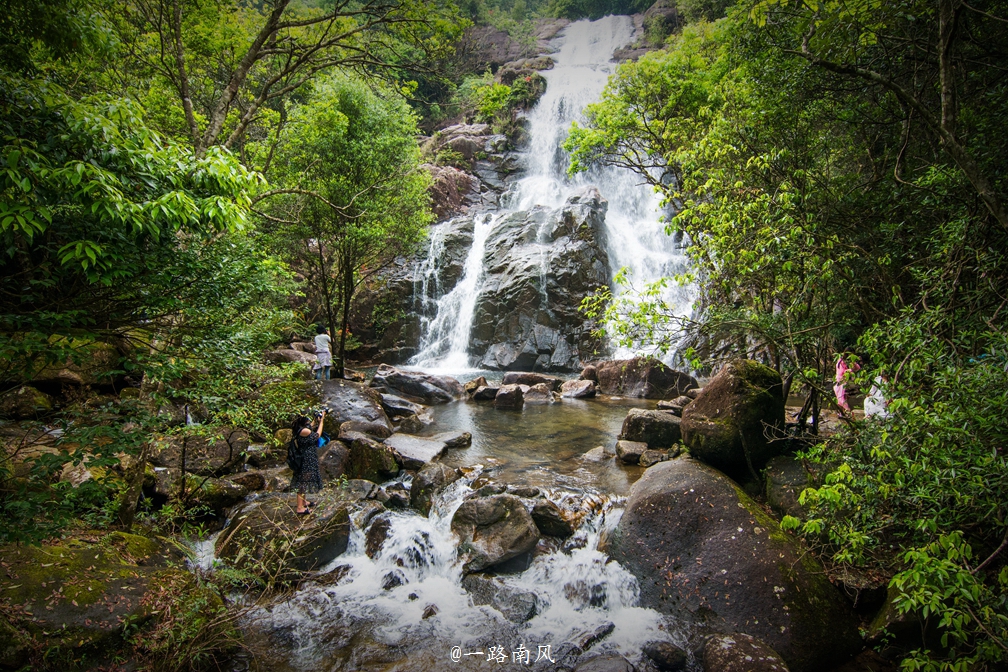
(268, 538)
(215, 494)
(71, 600)
(728, 423)
(704, 551)
(428, 482)
(658, 429)
(371, 460)
(25, 402)
(350, 401)
(738, 652)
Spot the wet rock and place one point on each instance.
(288, 356)
(424, 387)
(485, 393)
(651, 457)
(412, 424)
(666, 656)
(578, 389)
(357, 489)
(629, 452)
(517, 606)
(524, 318)
(474, 385)
(606, 663)
(252, 481)
(379, 430)
(599, 454)
(740, 653)
(694, 393)
(531, 379)
(395, 405)
(334, 460)
(267, 455)
(349, 400)
(539, 393)
(429, 611)
(415, 452)
(371, 460)
(222, 452)
(658, 429)
(509, 397)
(376, 535)
(641, 377)
(725, 426)
(25, 403)
(393, 580)
(454, 439)
(398, 496)
(428, 483)
(524, 491)
(702, 549)
(676, 405)
(589, 638)
(552, 520)
(268, 537)
(448, 189)
(493, 530)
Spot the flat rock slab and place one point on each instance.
(347, 400)
(416, 451)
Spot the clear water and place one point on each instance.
(636, 237)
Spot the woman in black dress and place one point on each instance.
(308, 478)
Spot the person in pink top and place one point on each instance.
(840, 388)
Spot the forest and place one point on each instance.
(188, 183)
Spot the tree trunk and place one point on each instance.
(348, 287)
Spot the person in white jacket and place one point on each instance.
(322, 353)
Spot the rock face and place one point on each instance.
(268, 538)
(785, 480)
(428, 482)
(703, 550)
(529, 378)
(492, 530)
(640, 377)
(539, 265)
(658, 429)
(334, 460)
(285, 356)
(726, 424)
(425, 388)
(740, 653)
(539, 393)
(448, 189)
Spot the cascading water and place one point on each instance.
(636, 237)
(408, 603)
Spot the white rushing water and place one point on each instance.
(636, 237)
(410, 597)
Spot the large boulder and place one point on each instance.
(658, 429)
(786, 478)
(726, 425)
(509, 397)
(74, 596)
(629, 452)
(703, 550)
(640, 377)
(414, 451)
(538, 267)
(290, 356)
(269, 538)
(215, 494)
(395, 405)
(578, 389)
(350, 401)
(428, 483)
(492, 530)
(738, 652)
(334, 459)
(371, 460)
(425, 388)
(539, 393)
(530, 378)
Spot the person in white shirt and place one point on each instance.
(322, 353)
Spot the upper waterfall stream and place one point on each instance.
(634, 237)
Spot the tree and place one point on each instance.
(351, 196)
(226, 63)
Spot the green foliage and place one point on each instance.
(351, 196)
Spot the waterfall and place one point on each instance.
(636, 237)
